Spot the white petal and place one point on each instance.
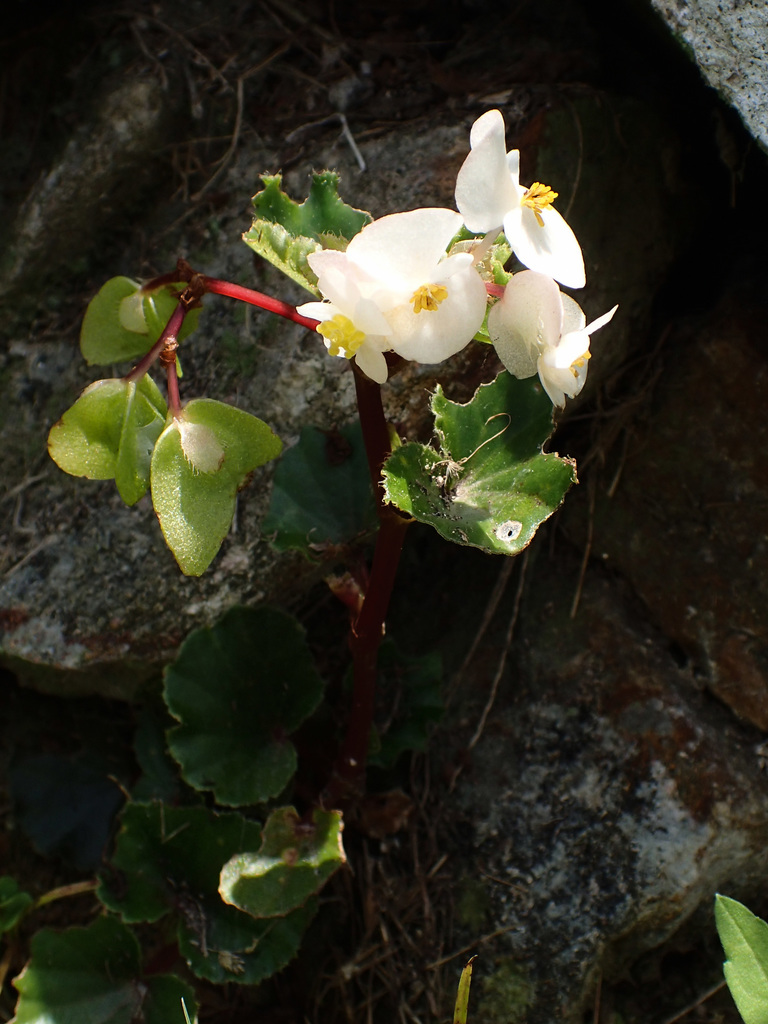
(321, 311)
(558, 381)
(513, 163)
(527, 319)
(344, 292)
(513, 349)
(601, 320)
(551, 249)
(573, 315)
(484, 188)
(403, 249)
(489, 123)
(371, 361)
(571, 347)
(433, 335)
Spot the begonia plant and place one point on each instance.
(229, 860)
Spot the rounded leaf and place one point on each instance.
(294, 862)
(239, 689)
(198, 465)
(121, 323)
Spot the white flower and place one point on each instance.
(490, 196)
(535, 328)
(395, 289)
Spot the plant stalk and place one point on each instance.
(368, 629)
(254, 298)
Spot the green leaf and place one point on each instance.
(159, 778)
(411, 685)
(745, 941)
(490, 486)
(66, 803)
(168, 860)
(285, 232)
(462, 996)
(14, 903)
(294, 862)
(122, 323)
(239, 689)
(110, 432)
(199, 463)
(91, 976)
(322, 493)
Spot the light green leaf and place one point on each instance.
(295, 860)
(198, 465)
(91, 976)
(239, 689)
(321, 494)
(116, 328)
(110, 432)
(745, 941)
(490, 486)
(462, 996)
(285, 232)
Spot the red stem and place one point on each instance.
(237, 291)
(172, 381)
(170, 334)
(367, 631)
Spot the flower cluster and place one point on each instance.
(401, 287)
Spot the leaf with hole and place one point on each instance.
(490, 485)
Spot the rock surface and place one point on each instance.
(612, 789)
(729, 43)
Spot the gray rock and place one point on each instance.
(728, 40)
(89, 589)
(608, 799)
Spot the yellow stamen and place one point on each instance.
(429, 296)
(342, 337)
(577, 364)
(539, 197)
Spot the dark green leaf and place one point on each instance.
(169, 860)
(238, 690)
(14, 903)
(91, 976)
(285, 232)
(160, 778)
(199, 463)
(413, 687)
(490, 486)
(294, 862)
(745, 941)
(66, 804)
(322, 493)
